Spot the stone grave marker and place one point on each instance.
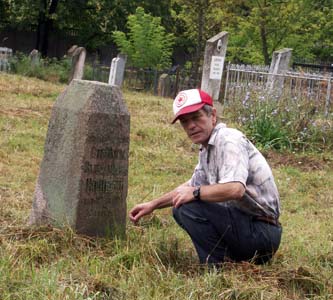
(84, 173)
(279, 66)
(78, 55)
(117, 70)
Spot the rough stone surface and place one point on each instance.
(84, 173)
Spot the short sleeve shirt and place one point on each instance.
(231, 157)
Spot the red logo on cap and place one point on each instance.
(181, 99)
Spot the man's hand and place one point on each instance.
(139, 211)
(183, 194)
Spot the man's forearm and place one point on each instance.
(222, 192)
(166, 199)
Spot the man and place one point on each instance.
(230, 207)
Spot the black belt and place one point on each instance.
(268, 220)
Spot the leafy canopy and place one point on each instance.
(147, 44)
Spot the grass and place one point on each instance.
(156, 260)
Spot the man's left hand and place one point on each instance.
(183, 194)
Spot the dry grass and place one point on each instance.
(156, 260)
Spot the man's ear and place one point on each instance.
(214, 116)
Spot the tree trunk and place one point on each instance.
(45, 24)
(201, 10)
(263, 33)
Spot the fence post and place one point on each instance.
(226, 101)
(215, 51)
(328, 96)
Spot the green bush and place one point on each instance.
(283, 123)
(49, 69)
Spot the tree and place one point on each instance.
(199, 22)
(147, 44)
(47, 10)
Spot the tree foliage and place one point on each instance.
(147, 44)
(256, 27)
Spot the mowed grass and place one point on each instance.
(156, 260)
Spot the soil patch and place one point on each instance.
(303, 162)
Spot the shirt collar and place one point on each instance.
(213, 134)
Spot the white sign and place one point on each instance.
(216, 67)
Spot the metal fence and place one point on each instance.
(147, 79)
(246, 82)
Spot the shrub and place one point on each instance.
(49, 69)
(283, 123)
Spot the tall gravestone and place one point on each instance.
(117, 70)
(84, 173)
(215, 52)
(279, 66)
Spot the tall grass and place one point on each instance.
(283, 124)
(157, 259)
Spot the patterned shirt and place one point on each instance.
(231, 157)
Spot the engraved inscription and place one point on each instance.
(108, 153)
(103, 169)
(103, 186)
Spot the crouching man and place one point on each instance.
(230, 207)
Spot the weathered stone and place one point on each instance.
(83, 175)
(215, 52)
(117, 70)
(78, 55)
(279, 66)
(164, 86)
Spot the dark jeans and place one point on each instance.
(222, 233)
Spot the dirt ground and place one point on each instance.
(303, 162)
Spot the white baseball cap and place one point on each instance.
(189, 101)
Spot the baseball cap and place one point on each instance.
(189, 101)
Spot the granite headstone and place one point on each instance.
(84, 173)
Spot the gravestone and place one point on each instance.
(164, 86)
(279, 66)
(34, 58)
(84, 173)
(117, 70)
(78, 55)
(215, 51)
(5, 55)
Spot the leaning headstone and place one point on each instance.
(78, 59)
(83, 177)
(279, 66)
(117, 70)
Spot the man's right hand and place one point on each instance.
(140, 210)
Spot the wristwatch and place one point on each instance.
(196, 193)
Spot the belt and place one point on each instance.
(268, 220)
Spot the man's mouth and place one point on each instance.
(194, 133)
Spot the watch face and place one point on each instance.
(196, 192)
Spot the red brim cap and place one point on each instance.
(187, 110)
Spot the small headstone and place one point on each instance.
(84, 173)
(164, 86)
(5, 55)
(78, 59)
(34, 57)
(117, 70)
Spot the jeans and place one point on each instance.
(220, 233)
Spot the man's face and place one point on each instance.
(198, 126)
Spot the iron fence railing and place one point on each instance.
(244, 82)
